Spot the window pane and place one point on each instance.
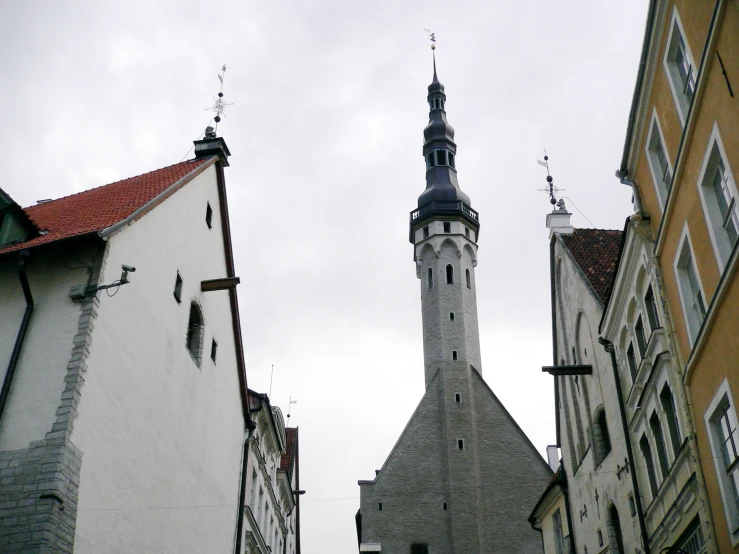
(640, 337)
(632, 361)
(651, 306)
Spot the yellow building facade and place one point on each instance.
(681, 158)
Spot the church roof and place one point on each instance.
(99, 208)
(288, 458)
(596, 251)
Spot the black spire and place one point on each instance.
(440, 151)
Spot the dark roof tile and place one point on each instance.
(596, 251)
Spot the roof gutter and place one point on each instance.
(23, 260)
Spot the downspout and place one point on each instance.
(23, 260)
(532, 522)
(608, 347)
(250, 427)
(621, 174)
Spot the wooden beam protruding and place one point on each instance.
(219, 284)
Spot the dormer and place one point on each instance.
(15, 225)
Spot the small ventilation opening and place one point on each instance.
(178, 288)
(460, 444)
(451, 316)
(445, 505)
(380, 506)
(209, 216)
(454, 354)
(457, 397)
(213, 350)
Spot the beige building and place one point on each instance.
(680, 158)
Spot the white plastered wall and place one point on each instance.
(161, 438)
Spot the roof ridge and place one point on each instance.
(198, 161)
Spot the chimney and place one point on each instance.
(559, 220)
(553, 457)
(211, 145)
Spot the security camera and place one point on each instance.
(125, 267)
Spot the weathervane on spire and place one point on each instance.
(551, 189)
(219, 106)
(432, 38)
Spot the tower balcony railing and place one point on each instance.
(441, 207)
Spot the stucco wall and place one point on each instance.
(38, 382)
(161, 438)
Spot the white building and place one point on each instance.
(124, 408)
(462, 477)
(273, 513)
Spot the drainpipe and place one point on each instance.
(250, 428)
(621, 174)
(23, 260)
(608, 347)
(532, 522)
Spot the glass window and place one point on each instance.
(558, 536)
(659, 441)
(648, 463)
(658, 161)
(651, 308)
(641, 339)
(631, 359)
(692, 296)
(668, 405)
(727, 433)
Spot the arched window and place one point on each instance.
(469, 282)
(615, 538)
(602, 438)
(431, 278)
(450, 274)
(195, 333)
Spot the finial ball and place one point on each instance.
(433, 47)
(549, 179)
(546, 158)
(217, 119)
(552, 201)
(220, 95)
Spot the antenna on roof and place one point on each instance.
(271, 374)
(219, 105)
(551, 189)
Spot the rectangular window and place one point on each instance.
(209, 215)
(668, 405)
(421, 548)
(213, 350)
(651, 308)
(659, 441)
(721, 424)
(447, 227)
(648, 463)
(426, 232)
(641, 339)
(659, 163)
(718, 195)
(451, 160)
(457, 397)
(631, 359)
(451, 316)
(558, 535)
(454, 354)
(460, 444)
(441, 157)
(680, 68)
(691, 293)
(467, 232)
(178, 288)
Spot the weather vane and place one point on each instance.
(551, 189)
(432, 38)
(219, 106)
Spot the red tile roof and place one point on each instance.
(99, 208)
(596, 251)
(286, 462)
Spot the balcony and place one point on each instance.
(453, 208)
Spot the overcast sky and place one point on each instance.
(329, 105)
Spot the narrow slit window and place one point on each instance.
(445, 505)
(450, 274)
(467, 232)
(460, 444)
(451, 316)
(457, 397)
(380, 506)
(426, 232)
(454, 354)
(447, 227)
(178, 288)
(213, 350)
(431, 278)
(469, 281)
(209, 216)
(195, 331)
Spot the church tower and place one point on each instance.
(462, 477)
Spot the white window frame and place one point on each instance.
(681, 282)
(714, 221)
(681, 102)
(722, 396)
(662, 187)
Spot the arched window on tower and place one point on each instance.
(615, 538)
(469, 281)
(195, 333)
(602, 437)
(431, 278)
(450, 274)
